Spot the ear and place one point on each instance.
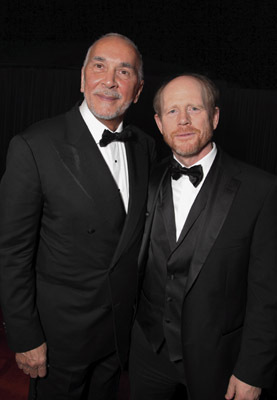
(82, 88)
(159, 123)
(139, 90)
(216, 118)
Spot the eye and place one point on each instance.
(124, 73)
(98, 66)
(173, 111)
(194, 110)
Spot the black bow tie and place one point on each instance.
(108, 136)
(195, 173)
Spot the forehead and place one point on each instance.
(182, 90)
(114, 49)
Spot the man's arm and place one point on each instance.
(20, 213)
(257, 360)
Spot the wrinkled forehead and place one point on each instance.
(183, 89)
(114, 48)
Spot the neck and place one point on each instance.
(112, 124)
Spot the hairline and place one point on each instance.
(209, 90)
(129, 41)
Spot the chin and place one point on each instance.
(105, 115)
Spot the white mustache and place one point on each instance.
(108, 93)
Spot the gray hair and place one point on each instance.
(118, 35)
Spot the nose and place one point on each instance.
(109, 80)
(184, 118)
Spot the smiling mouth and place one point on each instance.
(107, 95)
(185, 135)
(107, 98)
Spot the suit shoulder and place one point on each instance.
(158, 170)
(44, 129)
(147, 142)
(161, 165)
(255, 176)
(142, 136)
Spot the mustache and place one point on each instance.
(186, 130)
(108, 93)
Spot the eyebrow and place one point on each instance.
(170, 107)
(123, 64)
(127, 65)
(189, 104)
(97, 58)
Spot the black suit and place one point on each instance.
(212, 295)
(68, 258)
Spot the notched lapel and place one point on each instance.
(156, 180)
(220, 199)
(195, 212)
(138, 171)
(82, 159)
(71, 160)
(167, 209)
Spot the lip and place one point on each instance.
(185, 134)
(106, 98)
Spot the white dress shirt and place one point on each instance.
(184, 193)
(114, 153)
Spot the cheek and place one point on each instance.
(168, 126)
(90, 82)
(128, 90)
(208, 129)
(87, 87)
(203, 126)
(168, 137)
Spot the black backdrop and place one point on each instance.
(43, 43)
(247, 128)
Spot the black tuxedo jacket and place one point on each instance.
(67, 275)
(229, 311)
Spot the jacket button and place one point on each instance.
(91, 230)
(169, 299)
(147, 214)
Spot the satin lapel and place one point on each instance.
(195, 211)
(138, 170)
(220, 198)
(199, 205)
(82, 159)
(168, 211)
(156, 180)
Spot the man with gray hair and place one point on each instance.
(72, 207)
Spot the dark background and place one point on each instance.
(43, 44)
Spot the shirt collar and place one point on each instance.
(95, 127)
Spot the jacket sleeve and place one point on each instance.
(21, 204)
(257, 361)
